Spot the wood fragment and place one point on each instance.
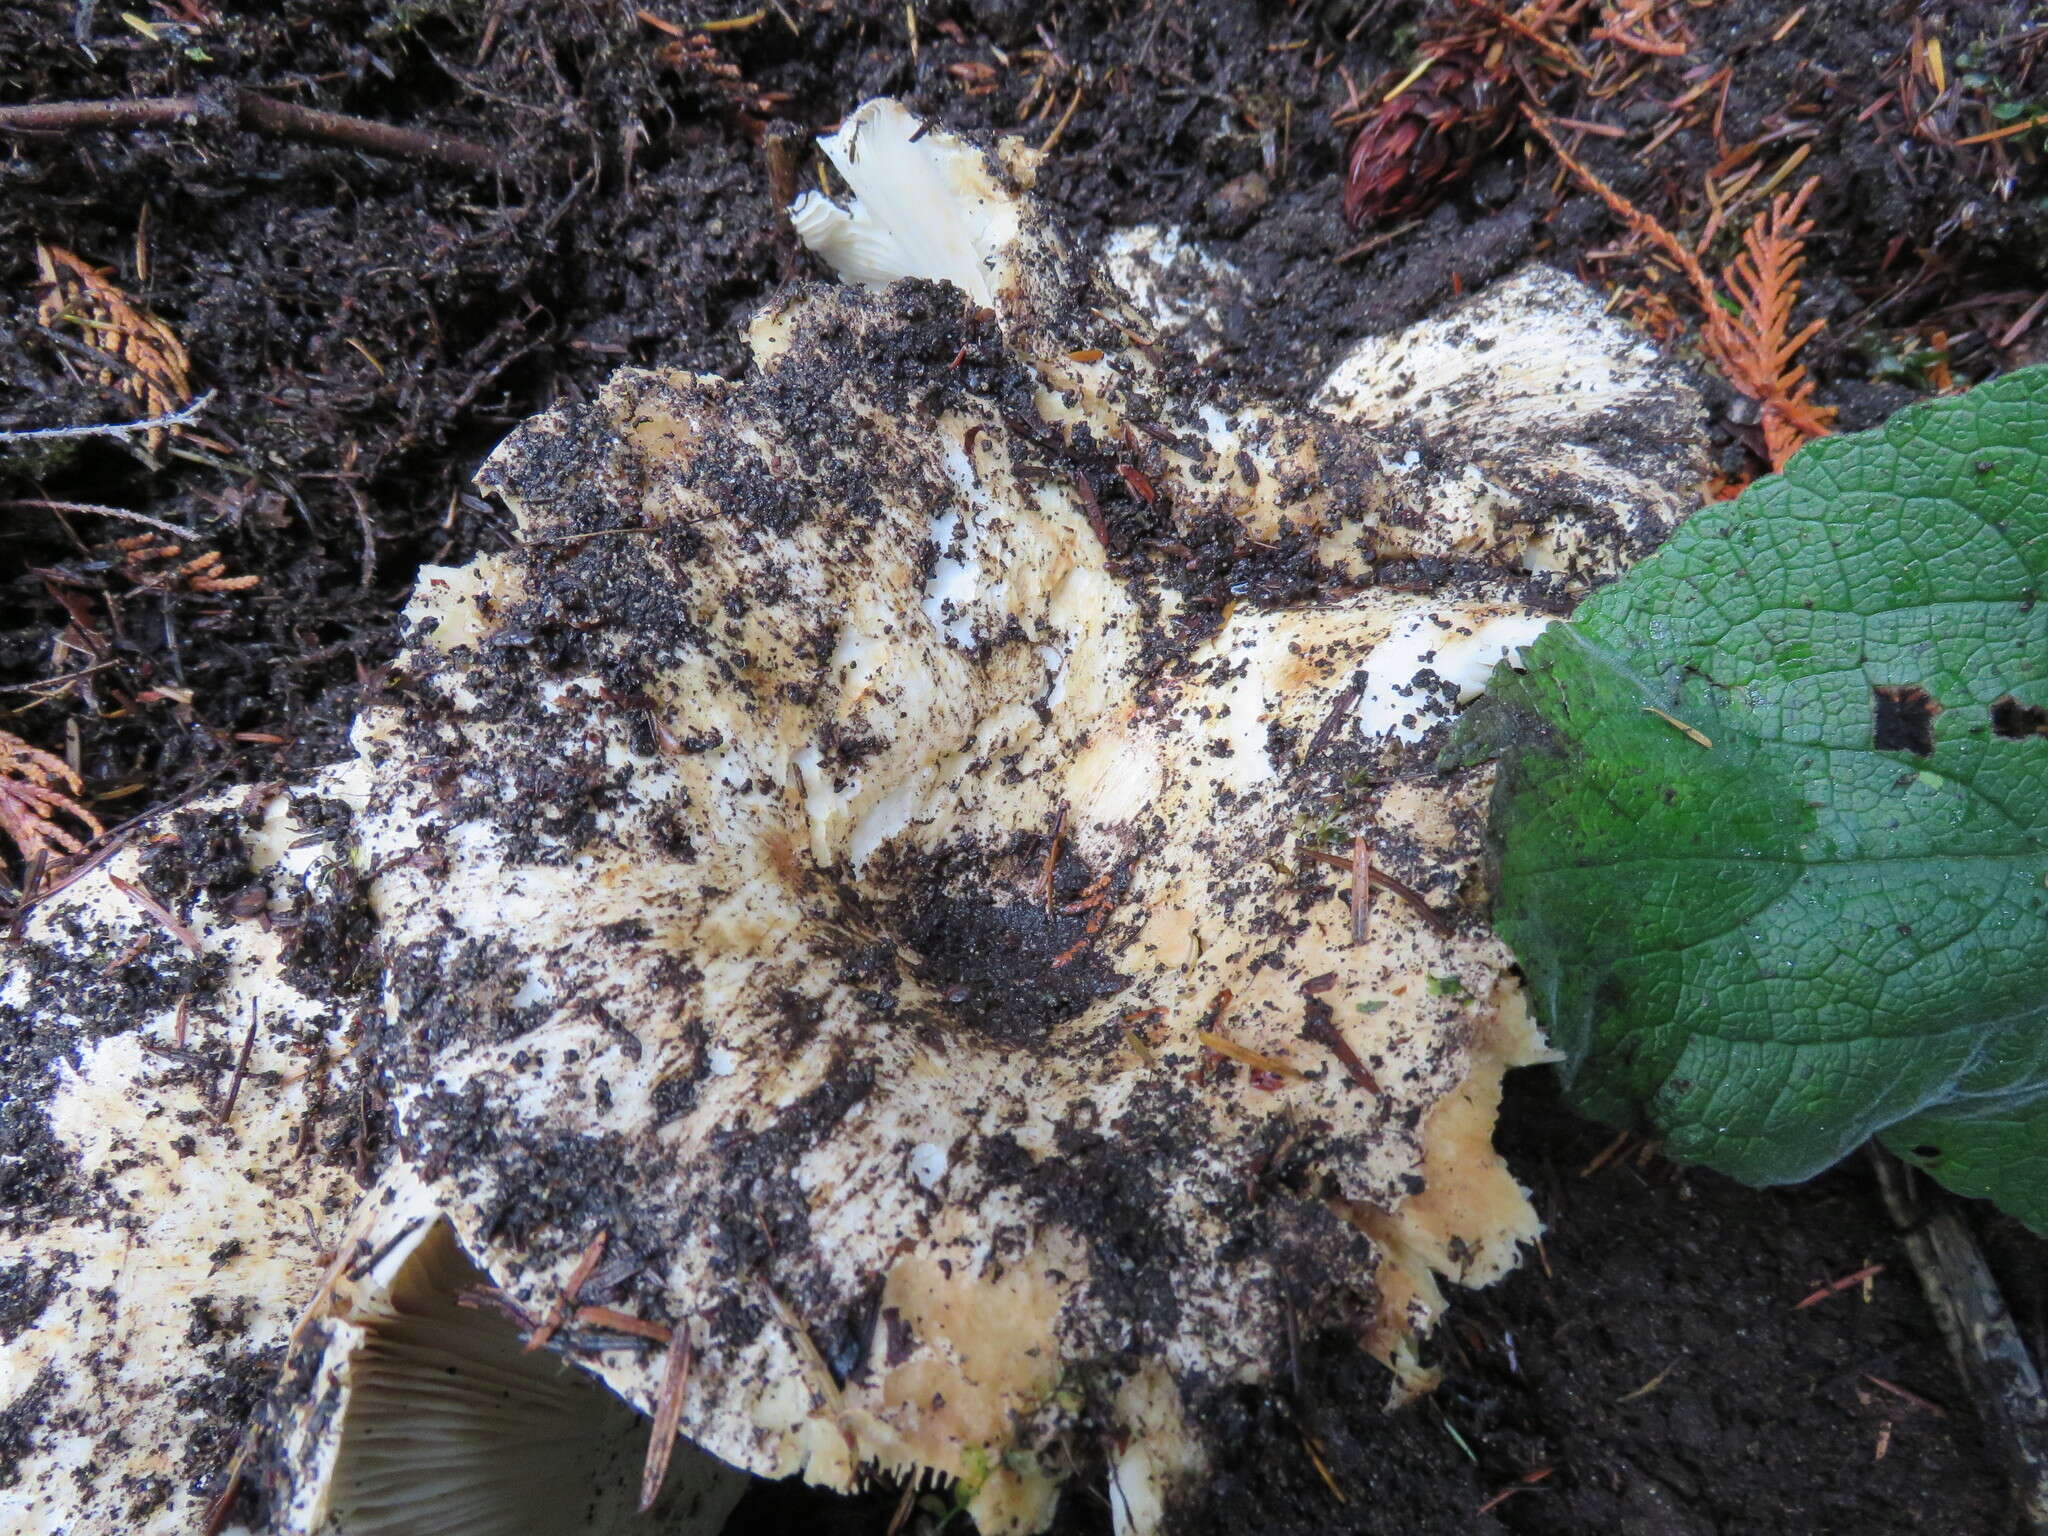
(668, 1413)
(1836, 1287)
(218, 1508)
(1439, 923)
(1528, 1481)
(1344, 703)
(253, 110)
(1649, 1386)
(1361, 890)
(227, 1106)
(1052, 857)
(1689, 732)
(585, 1265)
(1598, 130)
(156, 909)
(1066, 117)
(2006, 132)
(2021, 326)
(183, 416)
(1308, 1443)
(488, 1298)
(904, 1505)
(1989, 1352)
(1373, 243)
(1607, 1154)
(1140, 483)
(1320, 1026)
(611, 1320)
(1258, 1061)
(129, 955)
(1093, 509)
(1906, 1395)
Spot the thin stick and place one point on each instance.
(260, 113)
(183, 416)
(668, 1413)
(1341, 707)
(1379, 877)
(1258, 1061)
(1361, 890)
(1988, 1349)
(160, 912)
(1065, 117)
(611, 1320)
(1320, 1026)
(585, 1266)
(94, 509)
(227, 1107)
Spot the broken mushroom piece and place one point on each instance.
(187, 1117)
(183, 1112)
(415, 1405)
(933, 849)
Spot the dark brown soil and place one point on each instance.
(372, 326)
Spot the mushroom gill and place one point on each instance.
(416, 1406)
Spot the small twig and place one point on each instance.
(1836, 1287)
(259, 113)
(1258, 1061)
(585, 1265)
(1341, 707)
(1066, 117)
(183, 416)
(1052, 858)
(1907, 1396)
(1651, 1385)
(1437, 921)
(1606, 1154)
(1319, 1025)
(94, 509)
(1528, 1482)
(1367, 246)
(905, 1503)
(227, 1106)
(668, 1412)
(1988, 1349)
(215, 1516)
(1691, 733)
(611, 1320)
(1361, 890)
(163, 914)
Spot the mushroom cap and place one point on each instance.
(879, 853)
(868, 851)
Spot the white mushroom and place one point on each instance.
(930, 858)
(878, 791)
(180, 1036)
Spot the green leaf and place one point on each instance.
(1831, 922)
